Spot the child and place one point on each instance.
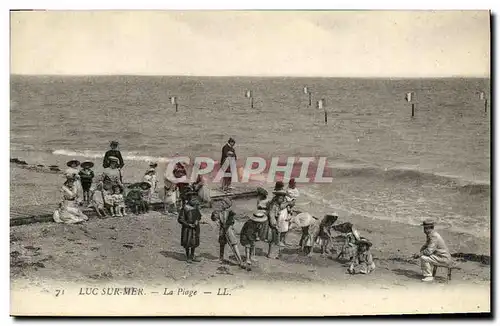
(74, 170)
(150, 177)
(134, 198)
(108, 199)
(189, 218)
(97, 201)
(310, 227)
(202, 189)
(86, 176)
(145, 193)
(352, 237)
(227, 235)
(249, 233)
(324, 232)
(363, 261)
(262, 203)
(118, 201)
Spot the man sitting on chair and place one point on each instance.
(433, 253)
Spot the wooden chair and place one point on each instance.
(449, 269)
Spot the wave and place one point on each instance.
(414, 177)
(132, 156)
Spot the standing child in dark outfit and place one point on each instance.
(249, 232)
(133, 199)
(189, 218)
(86, 176)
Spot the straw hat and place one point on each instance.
(87, 164)
(113, 159)
(70, 163)
(258, 217)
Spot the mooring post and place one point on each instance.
(413, 109)
(176, 107)
(326, 117)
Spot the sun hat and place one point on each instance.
(113, 159)
(144, 184)
(70, 163)
(365, 242)
(258, 217)
(262, 192)
(87, 164)
(428, 222)
(279, 193)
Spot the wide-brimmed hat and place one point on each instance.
(143, 184)
(70, 176)
(87, 164)
(113, 159)
(150, 170)
(70, 163)
(262, 192)
(279, 185)
(279, 193)
(364, 241)
(428, 222)
(113, 143)
(153, 164)
(258, 217)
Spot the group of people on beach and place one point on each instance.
(105, 193)
(270, 222)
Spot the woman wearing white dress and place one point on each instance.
(69, 211)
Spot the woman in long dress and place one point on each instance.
(69, 211)
(111, 175)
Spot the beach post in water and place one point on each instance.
(321, 105)
(306, 91)
(410, 99)
(483, 97)
(173, 100)
(249, 94)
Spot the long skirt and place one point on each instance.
(190, 237)
(69, 213)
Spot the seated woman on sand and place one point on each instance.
(68, 211)
(111, 175)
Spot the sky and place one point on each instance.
(252, 43)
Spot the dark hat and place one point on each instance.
(143, 184)
(231, 140)
(70, 163)
(364, 241)
(428, 222)
(279, 193)
(331, 218)
(153, 164)
(87, 164)
(259, 217)
(291, 182)
(262, 192)
(113, 143)
(279, 185)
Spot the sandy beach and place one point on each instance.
(145, 250)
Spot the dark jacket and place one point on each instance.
(190, 237)
(226, 148)
(112, 152)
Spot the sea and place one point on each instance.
(385, 163)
